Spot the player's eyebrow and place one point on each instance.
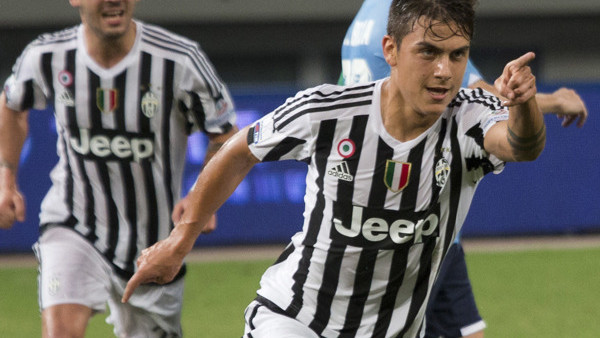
(428, 45)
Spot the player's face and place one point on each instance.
(428, 66)
(107, 19)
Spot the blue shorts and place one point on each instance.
(451, 311)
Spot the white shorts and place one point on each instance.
(264, 323)
(72, 271)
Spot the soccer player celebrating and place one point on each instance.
(452, 311)
(126, 96)
(392, 168)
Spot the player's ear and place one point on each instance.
(74, 3)
(390, 49)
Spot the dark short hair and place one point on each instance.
(404, 14)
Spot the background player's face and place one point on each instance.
(429, 65)
(107, 19)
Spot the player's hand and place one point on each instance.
(157, 264)
(180, 208)
(570, 107)
(12, 207)
(517, 82)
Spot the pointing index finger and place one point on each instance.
(524, 60)
(133, 283)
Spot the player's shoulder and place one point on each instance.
(327, 100)
(167, 40)
(54, 40)
(468, 98)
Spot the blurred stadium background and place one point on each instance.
(266, 50)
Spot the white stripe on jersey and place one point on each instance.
(367, 256)
(121, 132)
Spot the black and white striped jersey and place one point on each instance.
(122, 132)
(380, 214)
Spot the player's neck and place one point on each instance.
(109, 51)
(399, 119)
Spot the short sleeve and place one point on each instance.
(286, 133)
(203, 97)
(24, 88)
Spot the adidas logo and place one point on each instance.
(66, 98)
(342, 172)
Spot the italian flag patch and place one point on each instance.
(396, 175)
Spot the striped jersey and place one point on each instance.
(380, 214)
(122, 132)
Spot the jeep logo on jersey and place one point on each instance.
(396, 175)
(384, 229)
(107, 99)
(110, 145)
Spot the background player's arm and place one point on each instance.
(13, 132)
(215, 142)
(522, 137)
(219, 179)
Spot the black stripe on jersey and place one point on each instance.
(73, 125)
(144, 124)
(284, 147)
(197, 110)
(95, 116)
(473, 162)
(129, 190)
(435, 189)
(324, 141)
(455, 184)
(399, 260)
(169, 74)
(422, 285)
(46, 67)
(27, 101)
(368, 257)
(335, 255)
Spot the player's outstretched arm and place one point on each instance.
(523, 136)
(566, 104)
(13, 132)
(161, 262)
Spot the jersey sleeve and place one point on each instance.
(25, 88)
(285, 133)
(479, 112)
(204, 98)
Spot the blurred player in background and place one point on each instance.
(126, 96)
(388, 186)
(452, 311)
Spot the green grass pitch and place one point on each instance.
(542, 293)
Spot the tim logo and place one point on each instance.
(384, 229)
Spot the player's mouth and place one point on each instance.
(113, 15)
(438, 93)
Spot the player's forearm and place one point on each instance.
(526, 132)
(13, 132)
(214, 185)
(547, 103)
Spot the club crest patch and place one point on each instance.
(442, 170)
(150, 104)
(397, 175)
